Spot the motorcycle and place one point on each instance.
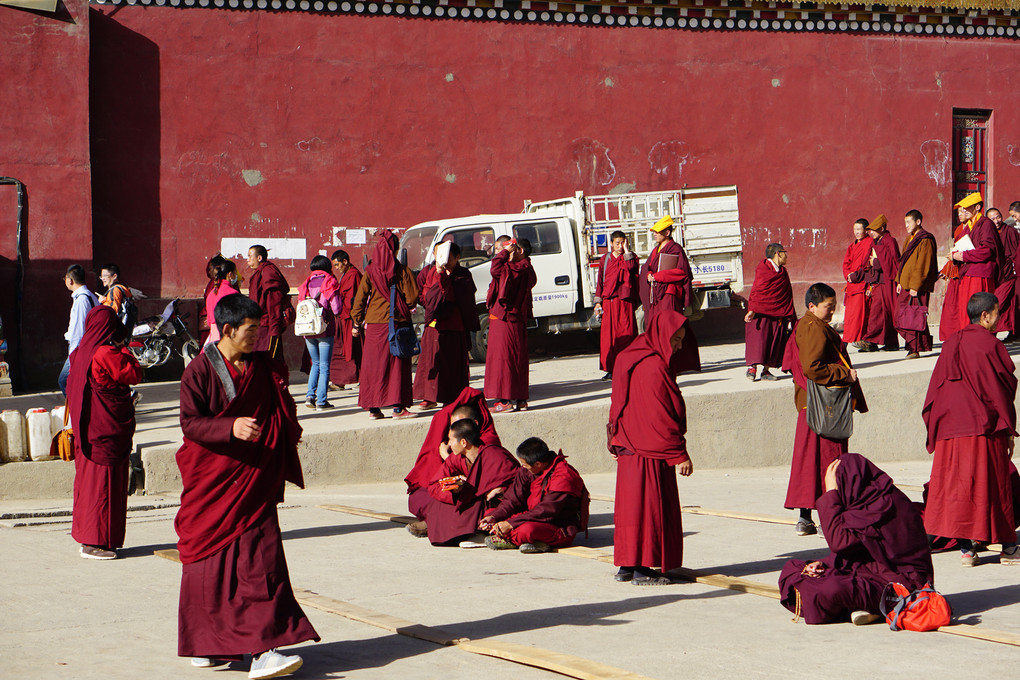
(154, 339)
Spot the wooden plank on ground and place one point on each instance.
(350, 510)
(557, 662)
(169, 554)
(729, 582)
(982, 634)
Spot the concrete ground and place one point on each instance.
(65, 617)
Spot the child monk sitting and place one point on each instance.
(545, 507)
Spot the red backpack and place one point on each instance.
(922, 609)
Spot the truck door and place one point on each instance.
(556, 291)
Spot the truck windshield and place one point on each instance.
(417, 241)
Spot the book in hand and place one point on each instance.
(667, 261)
(443, 253)
(964, 244)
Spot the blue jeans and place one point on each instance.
(65, 372)
(321, 352)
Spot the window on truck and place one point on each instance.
(544, 237)
(416, 243)
(475, 244)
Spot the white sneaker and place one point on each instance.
(473, 541)
(272, 664)
(863, 618)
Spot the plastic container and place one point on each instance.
(39, 436)
(14, 436)
(57, 421)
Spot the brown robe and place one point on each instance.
(918, 272)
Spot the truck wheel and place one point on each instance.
(480, 339)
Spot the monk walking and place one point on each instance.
(770, 314)
(970, 417)
(1005, 291)
(268, 288)
(667, 272)
(918, 272)
(815, 353)
(855, 298)
(346, 360)
(240, 446)
(977, 258)
(647, 437)
(385, 379)
(102, 415)
(617, 296)
(509, 303)
(883, 265)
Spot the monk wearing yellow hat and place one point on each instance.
(977, 259)
(667, 272)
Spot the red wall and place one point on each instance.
(45, 144)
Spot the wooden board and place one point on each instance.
(361, 512)
(557, 662)
(170, 554)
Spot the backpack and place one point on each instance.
(922, 609)
(308, 321)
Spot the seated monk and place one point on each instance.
(469, 404)
(545, 507)
(876, 537)
(473, 476)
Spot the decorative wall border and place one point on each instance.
(711, 15)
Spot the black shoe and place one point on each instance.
(625, 574)
(607, 376)
(806, 527)
(891, 348)
(868, 347)
(644, 576)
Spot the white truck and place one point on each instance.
(570, 235)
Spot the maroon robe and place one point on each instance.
(425, 366)
(617, 290)
(969, 415)
(509, 302)
(551, 507)
(268, 287)
(880, 327)
(102, 416)
(855, 299)
(647, 433)
(346, 360)
(979, 271)
(876, 537)
(429, 461)
(821, 362)
(450, 517)
(236, 596)
(450, 318)
(673, 288)
(1005, 291)
(771, 300)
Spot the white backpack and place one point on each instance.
(308, 321)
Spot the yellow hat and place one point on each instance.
(877, 224)
(662, 225)
(968, 201)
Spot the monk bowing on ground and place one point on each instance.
(667, 272)
(1005, 291)
(977, 252)
(918, 272)
(883, 265)
(616, 300)
(509, 303)
(102, 417)
(770, 314)
(471, 479)
(855, 298)
(815, 353)
(647, 437)
(876, 537)
(240, 446)
(970, 417)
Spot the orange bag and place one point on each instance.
(922, 609)
(62, 445)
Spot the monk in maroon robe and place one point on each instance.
(385, 379)
(978, 266)
(647, 437)
(970, 417)
(616, 300)
(450, 319)
(876, 537)
(509, 303)
(345, 363)
(816, 353)
(883, 266)
(426, 278)
(102, 415)
(855, 299)
(240, 446)
(669, 287)
(471, 479)
(918, 272)
(770, 314)
(545, 506)
(268, 288)
(1005, 291)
